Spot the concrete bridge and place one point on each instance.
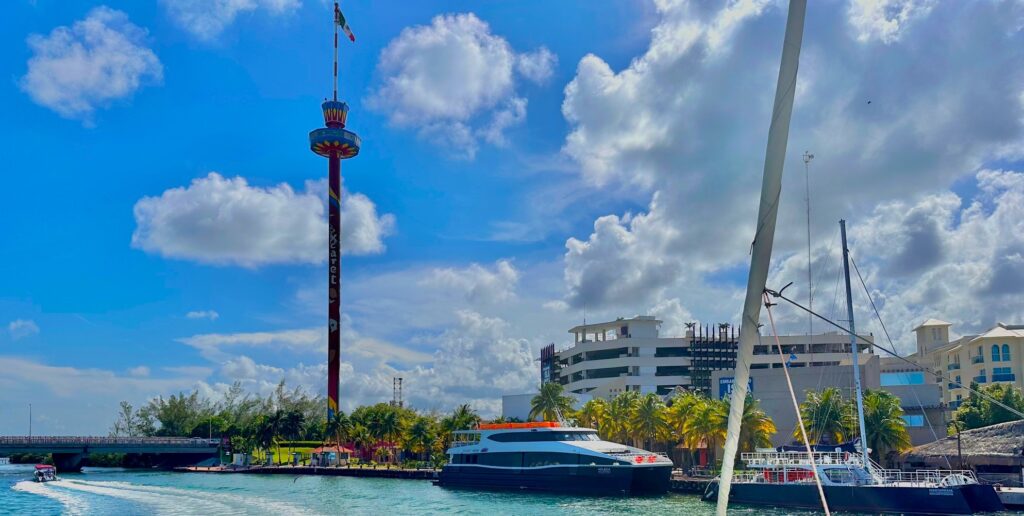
(70, 453)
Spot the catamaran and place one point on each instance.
(549, 456)
(838, 480)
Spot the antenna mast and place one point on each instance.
(810, 288)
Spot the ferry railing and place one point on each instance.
(925, 477)
(765, 459)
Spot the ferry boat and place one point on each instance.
(786, 479)
(548, 456)
(45, 473)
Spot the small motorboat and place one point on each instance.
(45, 473)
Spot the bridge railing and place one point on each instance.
(108, 441)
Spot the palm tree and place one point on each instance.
(390, 427)
(550, 404)
(681, 408)
(886, 429)
(420, 436)
(756, 428)
(593, 414)
(360, 436)
(462, 418)
(339, 427)
(647, 422)
(620, 411)
(707, 425)
(826, 415)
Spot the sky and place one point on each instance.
(524, 165)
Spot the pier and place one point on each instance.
(330, 471)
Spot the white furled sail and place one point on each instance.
(761, 251)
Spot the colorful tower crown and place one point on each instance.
(335, 113)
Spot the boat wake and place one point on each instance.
(160, 503)
(243, 504)
(72, 504)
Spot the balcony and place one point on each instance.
(978, 359)
(952, 386)
(1004, 377)
(954, 366)
(979, 379)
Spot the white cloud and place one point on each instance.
(538, 65)
(139, 371)
(203, 314)
(884, 19)
(677, 126)
(477, 283)
(227, 221)
(74, 401)
(207, 19)
(445, 78)
(210, 345)
(21, 328)
(102, 58)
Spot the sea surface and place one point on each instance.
(121, 491)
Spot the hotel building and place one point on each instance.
(994, 356)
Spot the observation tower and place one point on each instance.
(335, 143)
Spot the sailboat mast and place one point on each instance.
(853, 348)
(764, 237)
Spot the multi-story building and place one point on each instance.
(994, 356)
(629, 355)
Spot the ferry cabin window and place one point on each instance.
(840, 476)
(537, 459)
(914, 420)
(502, 459)
(465, 458)
(902, 378)
(524, 437)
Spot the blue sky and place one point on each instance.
(520, 160)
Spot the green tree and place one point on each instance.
(593, 414)
(127, 423)
(550, 404)
(648, 423)
(462, 418)
(420, 437)
(620, 411)
(977, 411)
(884, 424)
(826, 415)
(707, 426)
(339, 427)
(756, 428)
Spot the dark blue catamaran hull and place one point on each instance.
(589, 480)
(967, 499)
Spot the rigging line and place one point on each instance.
(796, 406)
(908, 361)
(893, 346)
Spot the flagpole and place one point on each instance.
(336, 23)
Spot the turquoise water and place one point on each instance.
(118, 491)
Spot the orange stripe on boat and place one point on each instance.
(510, 426)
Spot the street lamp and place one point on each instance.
(959, 453)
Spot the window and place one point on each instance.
(995, 352)
(936, 335)
(502, 459)
(958, 380)
(1006, 352)
(914, 420)
(902, 378)
(538, 459)
(840, 476)
(525, 437)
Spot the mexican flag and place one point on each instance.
(339, 19)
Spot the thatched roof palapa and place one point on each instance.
(1001, 444)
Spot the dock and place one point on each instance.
(330, 471)
(688, 485)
